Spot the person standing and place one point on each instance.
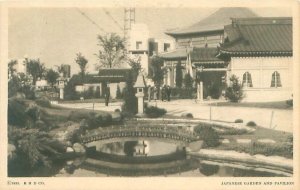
(149, 93)
(163, 93)
(155, 93)
(107, 95)
(168, 91)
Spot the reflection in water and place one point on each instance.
(209, 170)
(153, 158)
(138, 148)
(129, 147)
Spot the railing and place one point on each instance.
(142, 131)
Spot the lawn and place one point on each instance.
(100, 100)
(274, 105)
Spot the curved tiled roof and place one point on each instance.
(261, 35)
(215, 21)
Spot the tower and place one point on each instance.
(129, 19)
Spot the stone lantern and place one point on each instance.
(61, 86)
(140, 86)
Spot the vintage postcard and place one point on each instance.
(150, 95)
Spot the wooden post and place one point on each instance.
(271, 120)
(209, 113)
(201, 91)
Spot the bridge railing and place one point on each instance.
(130, 131)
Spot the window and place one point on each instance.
(138, 45)
(276, 82)
(247, 80)
(166, 46)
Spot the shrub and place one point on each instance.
(93, 119)
(233, 131)
(118, 93)
(16, 114)
(238, 121)
(117, 110)
(209, 136)
(234, 91)
(251, 124)
(154, 112)
(290, 102)
(44, 102)
(183, 93)
(130, 101)
(187, 115)
(188, 81)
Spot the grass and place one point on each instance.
(100, 100)
(281, 147)
(262, 133)
(273, 105)
(277, 149)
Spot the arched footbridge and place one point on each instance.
(116, 134)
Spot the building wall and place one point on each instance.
(200, 40)
(113, 88)
(139, 33)
(261, 70)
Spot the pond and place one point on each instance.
(154, 158)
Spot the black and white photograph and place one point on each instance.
(144, 92)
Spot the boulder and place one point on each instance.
(11, 151)
(78, 148)
(116, 116)
(69, 149)
(78, 161)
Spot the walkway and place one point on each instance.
(282, 119)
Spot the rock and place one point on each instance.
(73, 127)
(70, 162)
(116, 116)
(243, 141)
(78, 148)
(225, 141)
(69, 149)
(11, 151)
(40, 124)
(78, 161)
(267, 141)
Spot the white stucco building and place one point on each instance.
(142, 47)
(259, 52)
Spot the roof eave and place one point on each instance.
(251, 53)
(175, 34)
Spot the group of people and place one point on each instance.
(154, 93)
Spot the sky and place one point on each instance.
(55, 35)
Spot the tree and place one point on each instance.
(82, 62)
(136, 67)
(11, 67)
(52, 76)
(70, 88)
(14, 86)
(112, 51)
(178, 75)
(130, 101)
(234, 92)
(157, 72)
(62, 69)
(35, 68)
(188, 81)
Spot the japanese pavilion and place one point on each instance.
(235, 41)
